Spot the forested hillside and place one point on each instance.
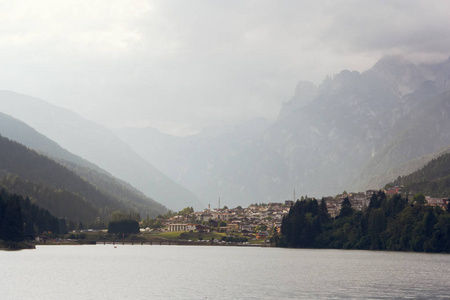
(406, 168)
(119, 190)
(20, 219)
(61, 202)
(98, 145)
(114, 188)
(387, 224)
(432, 180)
(51, 185)
(20, 132)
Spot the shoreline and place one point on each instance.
(151, 243)
(16, 246)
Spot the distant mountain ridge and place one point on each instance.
(191, 160)
(351, 132)
(20, 132)
(102, 180)
(407, 167)
(424, 130)
(99, 146)
(28, 173)
(344, 134)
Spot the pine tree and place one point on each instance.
(346, 208)
(12, 224)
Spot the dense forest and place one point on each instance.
(432, 180)
(116, 189)
(388, 223)
(20, 219)
(55, 187)
(124, 227)
(60, 202)
(109, 185)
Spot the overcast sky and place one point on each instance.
(181, 66)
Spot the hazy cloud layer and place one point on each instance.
(183, 65)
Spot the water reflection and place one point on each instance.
(200, 272)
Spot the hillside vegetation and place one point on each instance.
(114, 188)
(97, 145)
(394, 224)
(433, 179)
(52, 186)
(20, 219)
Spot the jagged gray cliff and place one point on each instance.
(344, 134)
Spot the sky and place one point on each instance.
(183, 66)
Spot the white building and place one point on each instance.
(181, 227)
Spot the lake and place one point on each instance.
(208, 272)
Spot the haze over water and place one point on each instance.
(176, 272)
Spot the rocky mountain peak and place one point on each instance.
(305, 92)
(442, 79)
(398, 73)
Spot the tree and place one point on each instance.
(441, 237)
(81, 226)
(346, 208)
(419, 198)
(222, 224)
(186, 211)
(119, 215)
(12, 224)
(388, 224)
(376, 199)
(377, 224)
(124, 227)
(62, 224)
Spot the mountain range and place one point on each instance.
(354, 131)
(61, 182)
(99, 146)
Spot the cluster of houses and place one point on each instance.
(362, 199)
(254, 221)
(357, 200)
(257, 220)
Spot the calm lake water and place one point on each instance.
(202, 272)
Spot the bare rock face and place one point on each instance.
(344, 134)
(442, 78)
(353, 128)
(401, 75)
(305, 92)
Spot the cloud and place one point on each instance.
(407, 27)
(184, 65)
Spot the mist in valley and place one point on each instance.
(183, 103)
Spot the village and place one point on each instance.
(259, 221)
